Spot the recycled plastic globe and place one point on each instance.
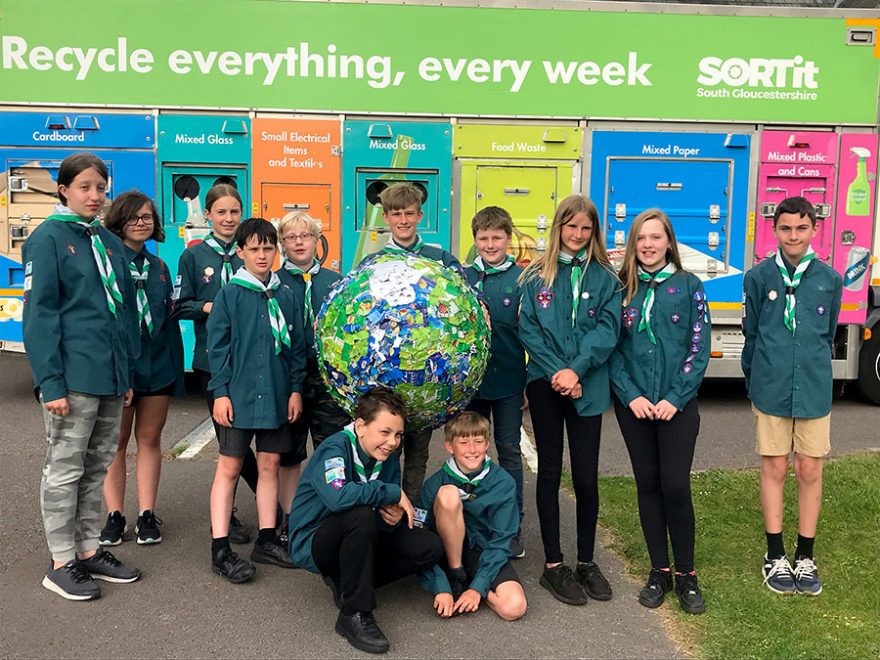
(408, 323)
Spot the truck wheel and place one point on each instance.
(869, 368)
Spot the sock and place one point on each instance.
(804, 547)
(458, 573)
(775, 548)
(218, 544)
(266, 535)
(680, 573)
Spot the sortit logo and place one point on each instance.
(794, 73)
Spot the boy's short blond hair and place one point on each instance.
(312, 225)
(466, 425)
(400, 196)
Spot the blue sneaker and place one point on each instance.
(778, 575)
(806, 577)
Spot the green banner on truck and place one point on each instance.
(392, 58)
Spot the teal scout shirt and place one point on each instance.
(322, 282)
(491, 520)
(506, 371)
(198, 281)
(73, 342)
(673, 368)
(552, 344)
(789, 375)
(242, 358)
(161, 358)
(330, 485)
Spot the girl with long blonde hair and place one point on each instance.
(655, 373)
(569, 323)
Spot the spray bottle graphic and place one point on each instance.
(370, 241)
(858, 194)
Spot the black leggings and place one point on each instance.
(549, 411)
(662, 454)
(351, 551)
(249, 469)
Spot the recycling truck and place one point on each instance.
(714, 114)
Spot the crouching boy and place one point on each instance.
(352, 523)
(471, 503)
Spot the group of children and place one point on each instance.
(569, 338)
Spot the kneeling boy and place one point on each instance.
(352, 523)
(471, 502)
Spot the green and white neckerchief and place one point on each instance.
(578, 263)
(226, 255)
(653, 282)
(108, 278)
(245, 279)
(293, 269)
(358, 464)
(485, 270)
(393, 247)
(466, 486)
(792, 283)
(143, 303)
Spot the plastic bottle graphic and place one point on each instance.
(858, 194)
(369, 241)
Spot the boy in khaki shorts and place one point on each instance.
(790, 307)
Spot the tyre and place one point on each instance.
(869, 367)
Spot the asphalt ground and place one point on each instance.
(181, 609)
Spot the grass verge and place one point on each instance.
(743, 618)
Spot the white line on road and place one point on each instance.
(194, 441)
(528, 450)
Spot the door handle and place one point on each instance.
(668, 186)
(296, 207)
(516, 191)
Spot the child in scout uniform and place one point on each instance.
(352, 523)
(402, 212)
(158, 372)
(310, 284)
(257, 357)
(790, 307)
(471, 504)
(655, 373)
(81, 336)
(205, 268)
(500, 396)
(569, 324)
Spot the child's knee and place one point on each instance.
(807, 469)
(774, 467)
(513, 606)
(448, 498)
(268, 462)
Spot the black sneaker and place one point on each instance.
(561, 582)
(517, 550)
(113, 530)
(232, 567)
(689, 595)
(806, 577)
(237, 533)
(593, 582)
(283, 535)
(362, 632)
(71, 581)
(658, 585)
(147, 528)
(271, 552)
(104, 566)
(778, 575)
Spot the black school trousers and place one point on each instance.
(351, 550)
(550, 411)
(662, 454)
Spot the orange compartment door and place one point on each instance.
(279, 199)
